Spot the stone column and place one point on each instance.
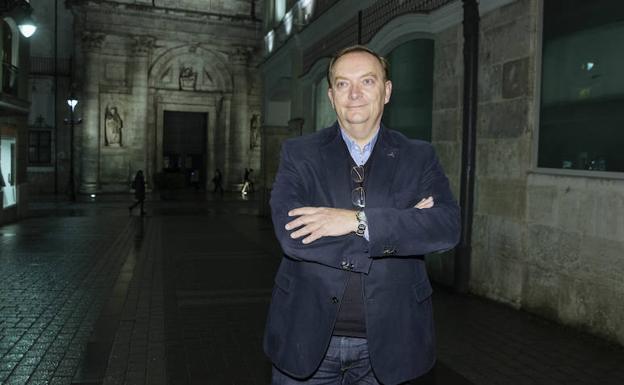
(223, 141)
(90, 148)
(239, 128)
(142, 152)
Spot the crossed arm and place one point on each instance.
(313, 223)
(325, 234)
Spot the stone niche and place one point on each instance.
(116, 135)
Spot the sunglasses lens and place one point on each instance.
(357, 173)
(358, 197)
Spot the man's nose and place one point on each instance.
(355, 92)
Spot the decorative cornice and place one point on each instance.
(143, 44)
(160, 10)
(92, 41)
(240, 55)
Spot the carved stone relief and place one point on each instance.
(92, 41)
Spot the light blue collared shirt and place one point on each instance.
(360, 156)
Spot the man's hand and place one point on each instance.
(425, 203)
(317, 222)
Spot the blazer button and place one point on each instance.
(335, 300)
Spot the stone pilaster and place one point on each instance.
(90, 152)
(223, 138)
(141, 157)
(239, 127)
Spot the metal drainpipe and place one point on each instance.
(469, 136)
(56, 124)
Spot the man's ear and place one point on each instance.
(388, 86)
(330, 95)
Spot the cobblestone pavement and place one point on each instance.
(89, 295)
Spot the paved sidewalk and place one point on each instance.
(89, 295)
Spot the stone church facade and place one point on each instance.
(138, 61)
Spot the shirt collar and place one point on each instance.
(359, 156)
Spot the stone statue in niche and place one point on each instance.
(112, 127)
(254, 126)
(187, 79)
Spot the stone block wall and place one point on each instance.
(504, 145)
(575, 253)
(553, 245)
(447, 126)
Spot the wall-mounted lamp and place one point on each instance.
(20, 11)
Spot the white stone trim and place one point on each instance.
(537, 85)
(486, 6)
(416, 26)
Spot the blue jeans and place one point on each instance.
(346, 363)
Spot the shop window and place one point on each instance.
(39, 147)
(582, 90)
(7, 168)
(411, 71)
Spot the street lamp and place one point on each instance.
(19, 11)
(72, 102)
(27, 26)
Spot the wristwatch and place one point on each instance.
(362, 222)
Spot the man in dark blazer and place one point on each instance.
(355, 207)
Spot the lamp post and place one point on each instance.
(72, 102)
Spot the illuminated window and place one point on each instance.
(288, 22)
(280, 10)
(582, 90)
(269, 40)
(307, 7)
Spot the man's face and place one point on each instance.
(358, 94)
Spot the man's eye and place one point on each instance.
(341, 84)
(369, 82)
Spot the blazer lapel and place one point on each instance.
(383, 162)
(337, 185)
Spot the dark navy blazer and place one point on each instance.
(315, 171)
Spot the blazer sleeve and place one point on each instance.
(290, 191)
(409, 231)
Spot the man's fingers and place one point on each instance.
(302, 211)
(425, 203)
(309, 229)
(313, 237)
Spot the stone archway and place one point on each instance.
(191, 78)
(191, 68)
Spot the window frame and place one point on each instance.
(39, 132)
(534, 168)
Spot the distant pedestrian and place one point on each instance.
(195, 179)
(248, 185)
(217, 180)
(138, 184)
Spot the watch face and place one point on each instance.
(361, 216)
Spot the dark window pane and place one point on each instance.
(40, 147)
(581, 116)
(411, 103)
